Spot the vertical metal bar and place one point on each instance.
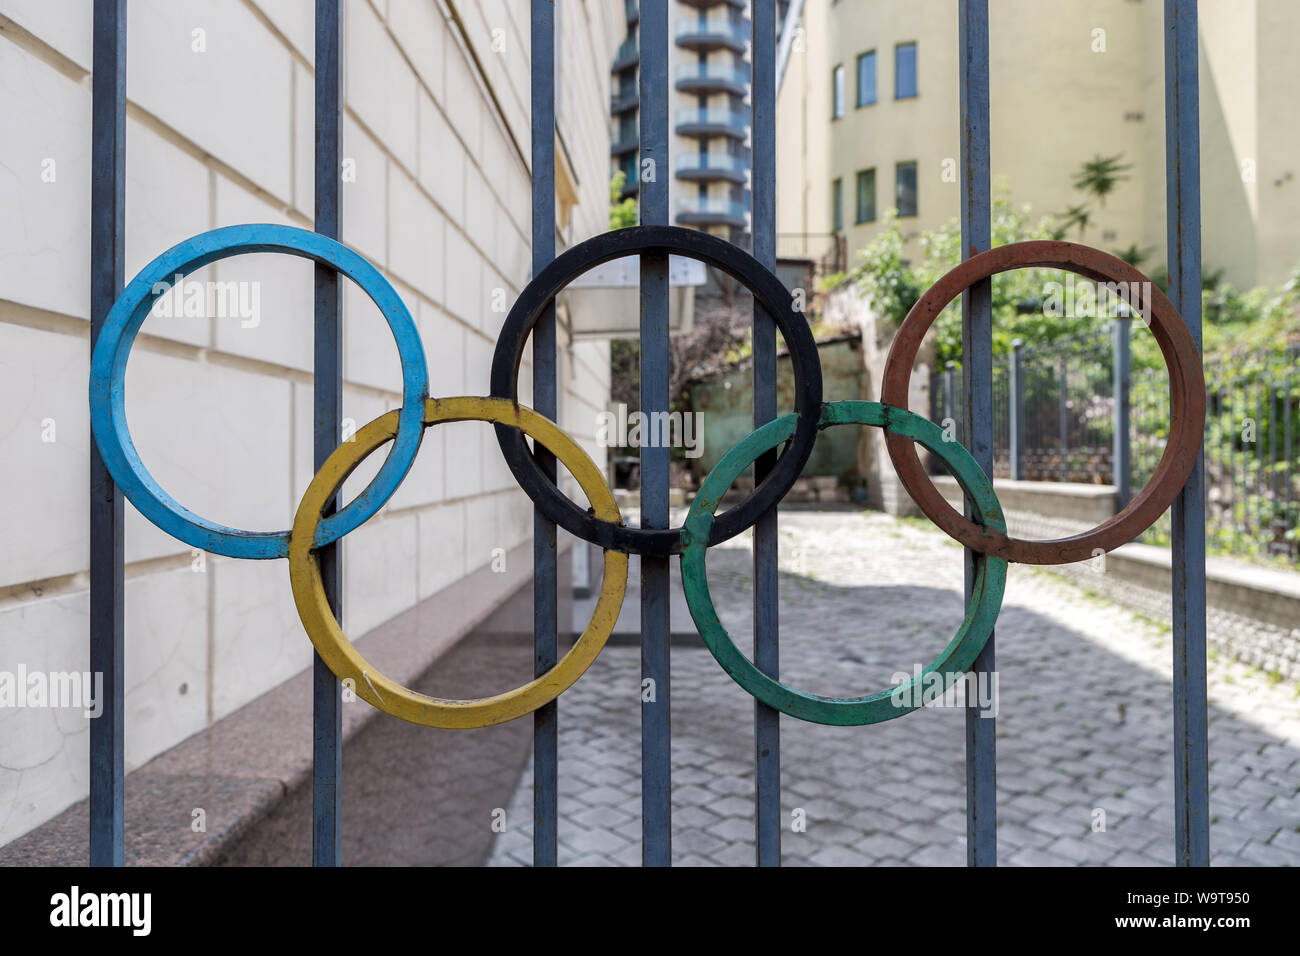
(107, 275)
(1271, 484)
(1063, 411)
(1121, 473)
(1259, 389)
(977, 350)
(949, 407)
(1016, 410)
(1183, 208)
(767, 726)
(1287, 475)
(327, 399)
(546, 754)
(1232, 452)
(656, 762)
(1260, 407)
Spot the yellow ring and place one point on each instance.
(346, 661)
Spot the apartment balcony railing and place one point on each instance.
(710, 211)
(712, 166)
(628, 55)
(711, 122)
(712, 34)
(712, 77)
(621, 101)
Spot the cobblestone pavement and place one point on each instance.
(1084, 725)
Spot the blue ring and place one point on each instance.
(108, 375)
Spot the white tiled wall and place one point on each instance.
(222, 413)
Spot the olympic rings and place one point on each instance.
(108, 389)
(346, 661)
(658, 240)
(602, 524)
(1187, 404)
(958, 656)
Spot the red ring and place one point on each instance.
(1186, 389)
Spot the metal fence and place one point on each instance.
(1058, 416)
(1189, 714)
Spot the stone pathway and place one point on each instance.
(1084, 725)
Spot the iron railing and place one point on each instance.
(1068, 416)
(106, 502)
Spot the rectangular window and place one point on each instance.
(866, 79)
(837, 92)
(904, 71)
(837, 205)
(867, 195)
(905, 188)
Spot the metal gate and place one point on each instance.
(311, 546)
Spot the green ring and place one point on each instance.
(957, 657)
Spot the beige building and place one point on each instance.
(868, 121)
(435, 192)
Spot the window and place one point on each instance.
(904, 71)
(837, 205)
(628, 130)
(905, 188)
(866, 79)
(837, 92)
(867, 195)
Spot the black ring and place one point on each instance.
(768, 292)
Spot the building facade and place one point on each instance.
(868, 121)
(709, 73)
(435, 192)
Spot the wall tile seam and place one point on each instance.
(42, 51)
(48, 55)
(270, 27)
(61, 585)
(17, 595)
(459, 33)
(522, 38)
(502, 125)
(58, 323)
(393, 162)
(491, 104)
(35, 318)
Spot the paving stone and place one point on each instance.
(871, 594)
(839, 856)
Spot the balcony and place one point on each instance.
(710, 4)
(712, 78)
(705, 35)
(712, 167)
(620, 101)
(624, 143)
(711, 122)
(628, 55)
(710, 211)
